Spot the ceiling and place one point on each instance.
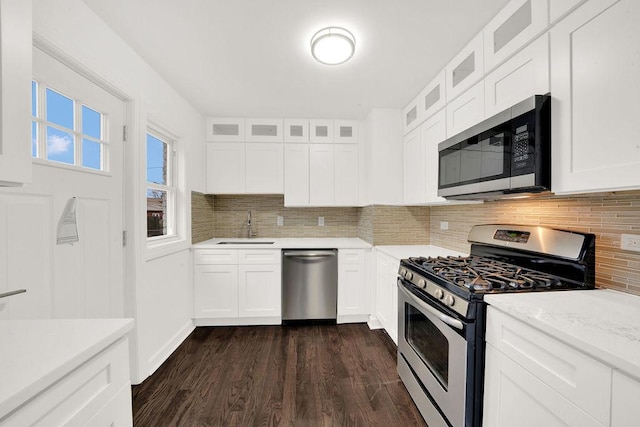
(251, 58)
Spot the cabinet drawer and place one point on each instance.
(215, 256)
(582, 380)
(351, 256)
(259, 256)
(78, 396)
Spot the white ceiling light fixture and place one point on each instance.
(333, 45)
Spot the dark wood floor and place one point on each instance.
(311, 375)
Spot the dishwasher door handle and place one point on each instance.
(308, 254)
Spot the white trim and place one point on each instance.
(239, 321)
(158, 358)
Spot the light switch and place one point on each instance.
(280, 221)
(320, 221)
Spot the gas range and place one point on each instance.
(441, 320)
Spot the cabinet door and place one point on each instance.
(15, 90)
(434, 131)
(296, 130)
(296, 175)
(517, 23)
(321, 131)
(414, 168)
(321, 178)
(594, 76)
(264, 168)
(411, 115)
(383, 300)
(345, 131)
(524, 75)
(466, 110)
(259, 290)
(558, 8)
(345, 175)
(226, 168)
(352, 289)
(215, 291)
(225, 129)
(465, 69)
(263, 130)
(392, 280)
(432, 98)
(514, 397)
(625, 411)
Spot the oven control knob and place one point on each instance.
(403, 272)
(408, 275)
(422, 283)
(450, 300)
(439, 294)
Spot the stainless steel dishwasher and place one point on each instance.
(309, 284)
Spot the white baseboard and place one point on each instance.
(239, 321)
(353, 318)
(163, 354)
(374, 323)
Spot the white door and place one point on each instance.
(77, 137)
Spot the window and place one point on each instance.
(65, 130)
(161, 190)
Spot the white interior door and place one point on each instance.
(77, 136)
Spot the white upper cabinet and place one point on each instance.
(15, 92)
(321, 131)
(225, 168)
(516, 24)
(345, 131)
(225, 129)
(414, 168)
(411, 115)
(264, 168)
(433, 132)
(465, 69)
(432, 98)
(522, 76)
(263, 130)
(558, 8)
(594, 79)
(466, 110)
(345, 175)
(321, 175)
(296, 175)
(296, 130)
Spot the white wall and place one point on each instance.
(158, 285)
(383, 165)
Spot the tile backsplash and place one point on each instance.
(607, 215)
(202, 211)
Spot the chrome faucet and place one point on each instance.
(250, 232)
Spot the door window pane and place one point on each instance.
(91, 154)
(91, 121)
(156, 160)
(59, 109)
(34, 99)
(60, 146)
(34, 139)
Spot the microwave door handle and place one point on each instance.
(443, 317)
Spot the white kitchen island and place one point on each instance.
(65, 371)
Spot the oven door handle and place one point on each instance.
(443, 317)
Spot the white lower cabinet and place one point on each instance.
(353, 292)
(625, 410)
(246, 292)
(387, 294)
(533, 379)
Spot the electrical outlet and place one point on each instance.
(280, 221)
(320, 221)
(630, 242)
(444, 225)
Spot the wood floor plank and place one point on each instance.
(301, 375)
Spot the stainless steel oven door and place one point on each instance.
(431, 343)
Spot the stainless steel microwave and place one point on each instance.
(507, 154)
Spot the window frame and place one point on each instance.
(171, 187)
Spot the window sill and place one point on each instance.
(164, 246)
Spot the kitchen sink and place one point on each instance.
(244, 243)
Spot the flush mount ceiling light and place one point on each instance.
(333, 45)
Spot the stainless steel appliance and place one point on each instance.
(309, 284)
(509, 153)
(441, 325)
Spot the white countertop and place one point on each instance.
(285, 243)
(36, 353)
(406, 251)
(602, 323)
